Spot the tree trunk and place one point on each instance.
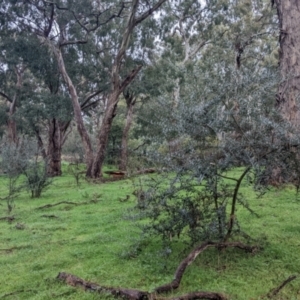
(11, 123)
(289, 89)
(40, 143)
(130, 101)
(109, 115)
(54, 148)
(89, 156)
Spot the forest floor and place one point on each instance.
(88, 234)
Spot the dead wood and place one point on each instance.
(15, 293)
(132, 294)
(174, 284)
(277, 289)
(49, 216)
(9, 250)
(145, 171)
(8, 218)
(201, 295)
(66, 202)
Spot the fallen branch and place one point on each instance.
(15, 292)
(276, 290)
(9, 250)
(66, 202)
(49, 216)
(201, 295)
(89, 286)
(132, 294)
(145, 171)
(174, 284)
(8, 218)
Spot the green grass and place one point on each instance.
(91, 241)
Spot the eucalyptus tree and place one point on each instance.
(12, 75)
(36, 102)
(109, 30)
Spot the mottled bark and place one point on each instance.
(40, 144)
(130, 102)
(54, 148)
(11, 123)
(109, 115)
(89, 156)
(289, 89)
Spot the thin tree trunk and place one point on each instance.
(40, 144)
(11, 123)
(54, 148)
(109, 115)
(130, 101)
(89, 156)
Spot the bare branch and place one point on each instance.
(48, 30)
(90, 104)
(64, 43)
(148, 12)
(276, 290)
(6, 97)
(130, 77)
(89, 97)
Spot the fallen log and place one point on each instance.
(133, 294)
(8, 218)
(129, 294)
(49, 216)
(66, 202)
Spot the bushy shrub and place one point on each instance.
(232, 134)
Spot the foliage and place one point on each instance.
(23, 159)
(37, 179)
(225, 118)
(14, 159)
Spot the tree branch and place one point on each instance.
(64, 43)
(47, 31)
(6, 97)
(276, 290)
(89, 97)
(148, 12)
(130, 77)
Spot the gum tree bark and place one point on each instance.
(11, 123)
(77, 111)
(57, 133)
(130, 102)
(289, 89)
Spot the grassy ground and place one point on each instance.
(92, 241)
